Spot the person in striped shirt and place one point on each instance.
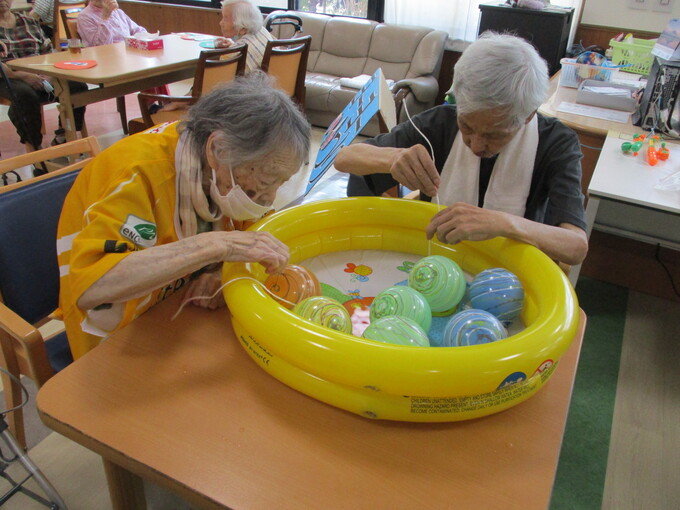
(242, 23)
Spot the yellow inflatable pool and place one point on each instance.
(391, 382)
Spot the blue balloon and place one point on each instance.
(472, 327)
(498, 291)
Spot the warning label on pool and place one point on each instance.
(507, 394)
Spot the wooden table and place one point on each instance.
(120, 70)
(591, 131)
(180, 403)
(583, 125)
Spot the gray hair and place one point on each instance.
(246, 15)
(253, 120)
(500, 71)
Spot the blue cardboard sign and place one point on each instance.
(359, 111)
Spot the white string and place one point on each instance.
(436, 197)
(194, 298)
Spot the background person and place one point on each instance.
(502, 169)
(155, 211)
(242, 22)
(43, 11)
(103, 22)
(21, 36)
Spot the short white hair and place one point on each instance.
(500, 71)
(245, 15)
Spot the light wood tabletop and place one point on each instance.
(120, 70)
(180, 403)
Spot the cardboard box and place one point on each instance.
(144, 44)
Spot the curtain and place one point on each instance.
(460, 18)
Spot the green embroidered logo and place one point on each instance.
(147, 231)
(139, 231)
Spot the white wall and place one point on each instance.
(617, 13)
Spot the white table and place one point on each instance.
(623, 200)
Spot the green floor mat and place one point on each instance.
(582, 467)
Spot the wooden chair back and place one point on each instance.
(82, 150)
(69, 20)
(29, 272)
(286, 61)
(60, 33)
(218, 66)
(214, 67)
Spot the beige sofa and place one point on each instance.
(348, 47)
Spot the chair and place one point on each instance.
(61, 33)
(29, 273)
(286, 61)
(213, 67)
(284, 21)
(69, 20)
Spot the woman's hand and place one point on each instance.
(260, 247)
(204, 286)
(223, 42)
(108, 6)
(465, 222)
(34, 80)
(413, 167)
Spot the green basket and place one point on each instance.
(635, 54)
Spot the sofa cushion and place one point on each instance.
(393, 48)
(315, 25)
(344, 48)
(428, 55)
(324, 92)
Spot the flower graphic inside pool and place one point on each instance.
(354, 294)
(361, 272)
(406, 266)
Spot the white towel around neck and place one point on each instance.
(510, 179)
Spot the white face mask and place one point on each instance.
(236, 204)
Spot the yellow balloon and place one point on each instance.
(394, 382)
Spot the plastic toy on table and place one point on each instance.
(656, 148)
(634, 146)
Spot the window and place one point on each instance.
(371, 9)
(460, 18)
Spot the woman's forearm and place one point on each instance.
(142, 272)
(564, 243)
(365, 159)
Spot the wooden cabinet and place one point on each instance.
(548, 29)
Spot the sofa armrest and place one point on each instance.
(424, 88)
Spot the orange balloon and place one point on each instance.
(294, 284)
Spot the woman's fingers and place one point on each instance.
(261, 247)
(415, 169)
